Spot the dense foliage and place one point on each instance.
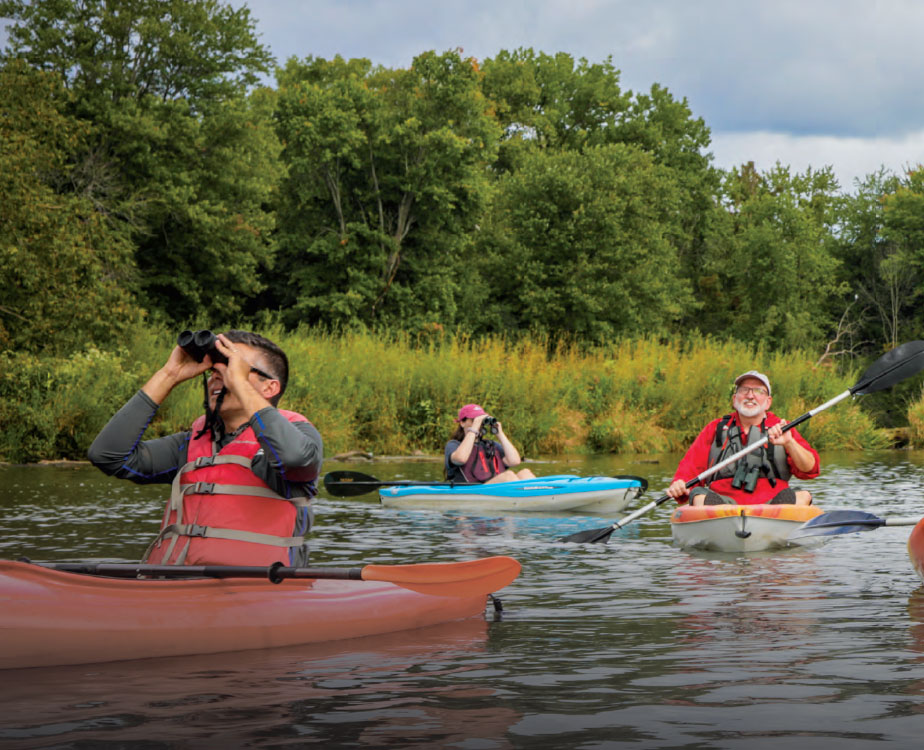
(389, 395)
(145, 174)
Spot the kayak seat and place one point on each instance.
(711, 498)
(783, 497)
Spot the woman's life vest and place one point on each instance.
(768, 461)
(483, 462)
(221, 513)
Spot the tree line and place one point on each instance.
(147, 175)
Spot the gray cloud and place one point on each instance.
(822, 67)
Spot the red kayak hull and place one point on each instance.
(916, 548)
(48, 617)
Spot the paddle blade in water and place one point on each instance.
(894, 366)
(349, 483)
(590, 536)
(469, 578)
(838, 522)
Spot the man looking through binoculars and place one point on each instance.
(241, 476)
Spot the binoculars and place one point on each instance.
(199, 343)
(489, 424)
(746, 476)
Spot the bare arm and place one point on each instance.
(511, 454)
(461, 454)
(801, 457)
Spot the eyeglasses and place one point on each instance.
(744, 390)
(262, 374)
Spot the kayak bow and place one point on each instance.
(739, 528)
(51, 617)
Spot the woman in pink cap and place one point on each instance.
(471, 458)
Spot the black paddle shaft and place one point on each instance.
(352, 483)
(275, 573)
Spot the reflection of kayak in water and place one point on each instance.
(265, 693)
(740, 528)
(563, 492)
(50, 617)
(916, 548)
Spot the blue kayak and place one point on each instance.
(564, 492)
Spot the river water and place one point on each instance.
(631, 644)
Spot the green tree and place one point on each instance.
(180, 155)
(581, 245)
(109, 50)
(547, 101)
(552, 102)
(65, 267)
(770, 273)
(386, 179)
(881, 244)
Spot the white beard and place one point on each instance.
(747, 411)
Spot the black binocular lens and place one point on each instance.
(198, 344)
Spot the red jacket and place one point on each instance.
(696, 461)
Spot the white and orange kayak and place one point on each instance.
(740, 528)
(916, 548)
(50, 617)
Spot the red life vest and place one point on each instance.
(221, 513)
(480, 466)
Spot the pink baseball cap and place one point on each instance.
(470, 411)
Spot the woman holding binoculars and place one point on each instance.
(470, 458)
(241, 476)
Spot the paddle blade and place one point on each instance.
(350, 483)
(838, 522)
(470, 578)
(900, 363)
(590, 536)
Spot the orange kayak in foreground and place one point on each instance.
(916, 548)
(50, 617)
(740, 528)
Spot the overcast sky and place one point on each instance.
(803, 82)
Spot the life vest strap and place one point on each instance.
(175, 531)
(211, 488)
(237, 535)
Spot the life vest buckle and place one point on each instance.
(204, 461)
(195, 529)
(204, 488)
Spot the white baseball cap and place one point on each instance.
(754, 374)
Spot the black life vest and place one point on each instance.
(483, 462)
(769, 460)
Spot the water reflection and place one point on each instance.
(388, 690)
(633, 643)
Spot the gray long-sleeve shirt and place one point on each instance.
(289, 459)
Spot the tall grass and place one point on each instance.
(395, 394)
(916, 421)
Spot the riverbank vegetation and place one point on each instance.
(393, 395)
(506, 230)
